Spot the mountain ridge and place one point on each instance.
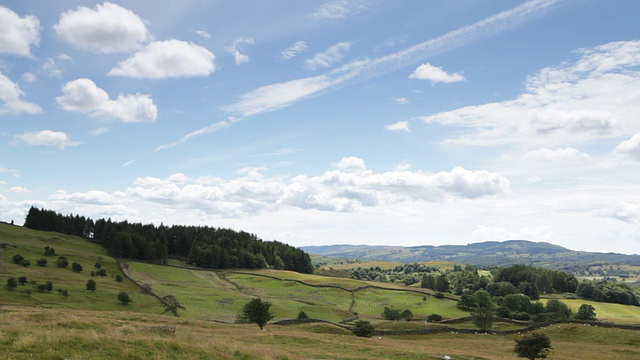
(498, 253)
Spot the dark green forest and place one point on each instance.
(203, 246)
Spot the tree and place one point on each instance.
(363, 328)
(124, 298)
(256, 311)
(22, 280)
(586, 312)
(12, 283)
(17, 258)
(302, 315)
(119, 278)
(557, 309)
(483, 318)
(171, 304)
(41, 262)
(433, 318)
(76, 267)
(62, 262)
(91, 285)
(49, 286)
(98, 265)
(391, 313)
(25, 263)
(534, 346)
(407, 315)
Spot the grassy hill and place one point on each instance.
(94, 325)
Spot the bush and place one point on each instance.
(12, 283)
(124, 298)
(586, 312)
(363, 328)
(62, 262)
(22, 280)
(91, 285)
(49, 251)
(438, 295)
(433, 318)
(63, 292)
(41, 288)
(49, 286)
(76, 267)
(25, 263)
(17, 258)
(101, 272)
(119, 278)
(97, 265)
(302, 315)
(146, 289)
(407, 315)
(41, 262)
(534, 346)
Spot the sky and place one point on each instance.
(378, 122)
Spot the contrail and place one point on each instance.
(279, 95)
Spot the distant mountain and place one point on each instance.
(497, 253)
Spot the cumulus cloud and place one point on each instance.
(109, 28)
(592, 98)
(349, 187)
(167, 59)
(324, 59)
(399, 126)
(629, 148)
(18, 33)
(293, 50)
(51, 138)
(11, 97)
(83, 96)
(236, 49)
(435, 74)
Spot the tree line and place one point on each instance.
(203, 246)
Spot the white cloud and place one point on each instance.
(15, 173)
(276, 96)
(399, 126)
(83, 96)
(10, 95)
(333, 54)
(203, 34)
(623, 211)
(29, 77)
(435, 74)
(557, 155)
(592, 98)
(54, 139)
(340, 9)
(279, 95)
(294, 50)
(400, 100)
(629, 148)
(108, 29)
(236, 51)
(18, 33)
(19, 190)
(167, 59)
(99, 131)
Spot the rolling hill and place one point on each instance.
(496, 253)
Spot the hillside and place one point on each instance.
(495, 253)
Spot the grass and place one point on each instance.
(30, 244)
(81, 334)
(616, 313)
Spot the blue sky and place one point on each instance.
(323, 122)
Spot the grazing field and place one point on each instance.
(616, 313)
(30, 244)
(28, 333)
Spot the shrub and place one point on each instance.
(17, 258)
(49, 251)
(25, 263)
(64, 292)
(41, 262)
(12, 283)
(76, 267)
(146, 289)
(433, 318)
(124, 298)
(363, 328)
(98, 265)
(91, 285)
(119, 278)
(41, 288)
(62, 262)
(534, 346)
(22, 280)
(49, 286)
(302, 315)
(101, 272)
(438, 295)
(407, 315)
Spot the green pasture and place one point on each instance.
(30, 244)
